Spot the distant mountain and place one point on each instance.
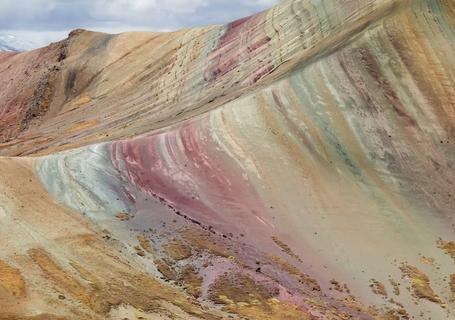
(10, 42)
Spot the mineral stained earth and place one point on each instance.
(295, 164)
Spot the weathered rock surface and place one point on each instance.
(296, 164)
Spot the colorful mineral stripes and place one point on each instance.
(296, 164)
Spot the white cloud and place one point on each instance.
(265, 3)
(126, 10)
(43, 21)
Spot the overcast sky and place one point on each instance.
(43, 21)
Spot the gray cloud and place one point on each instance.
(42, 21)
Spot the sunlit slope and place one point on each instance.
(114, 86)
(302, 167)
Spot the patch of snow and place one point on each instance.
(9, 42)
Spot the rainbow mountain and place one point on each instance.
(295, 164)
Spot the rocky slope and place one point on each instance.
(296, 164)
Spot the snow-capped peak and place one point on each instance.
(9, 42)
